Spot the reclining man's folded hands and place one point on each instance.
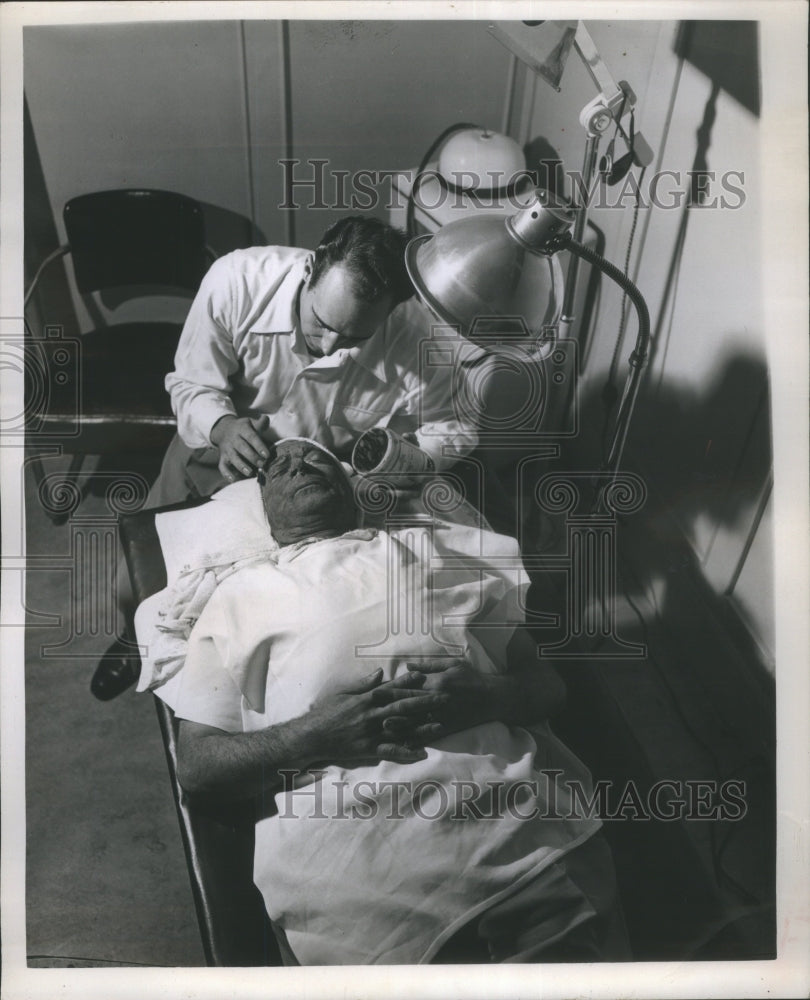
(530, 692)
(373, 721)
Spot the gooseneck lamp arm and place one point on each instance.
(544, 228)
(478, 267)
(638, 357)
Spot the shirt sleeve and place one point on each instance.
(445, 429)
(206, 359)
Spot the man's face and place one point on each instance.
(306, 493)
(333, 316)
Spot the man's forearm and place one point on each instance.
(198, 408)
(346, 726)
(240, 765)
(218, 429)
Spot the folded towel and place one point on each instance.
(180, 606)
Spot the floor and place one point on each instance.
(106, 876)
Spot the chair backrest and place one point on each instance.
(136, 237)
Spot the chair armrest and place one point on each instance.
(59, 252)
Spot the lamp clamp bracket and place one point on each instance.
(638, 359)
(557, 243)
(599, 114)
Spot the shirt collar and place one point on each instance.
(372, 352)
(287, 553)
(282, 310)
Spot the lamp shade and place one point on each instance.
(482, 161)
(477, 275)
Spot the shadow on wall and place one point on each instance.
(698, 706)
(706, 451)
(728, 53)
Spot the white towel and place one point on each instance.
(178, 609)
(201, 546)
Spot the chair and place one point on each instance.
(103, 392)
(217, 839)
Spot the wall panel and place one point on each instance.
(701, 437)
(140, 105)
(373, 95)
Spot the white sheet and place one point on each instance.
(204, 545)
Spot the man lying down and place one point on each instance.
(416, 807)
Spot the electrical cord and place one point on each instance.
(610, 393)
(410, 227)
(669, 305)
(638, 357)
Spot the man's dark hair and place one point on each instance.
(373, 253)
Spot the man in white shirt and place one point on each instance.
(283, 342)
(389, 841)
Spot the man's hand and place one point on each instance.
(472, 697)
(529, 692)
(241, 449)
(369, 721)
